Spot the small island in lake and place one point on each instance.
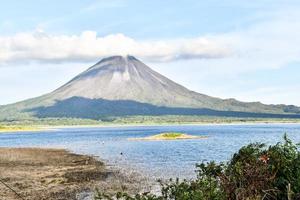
(170, 136)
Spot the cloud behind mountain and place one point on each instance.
(42, 47)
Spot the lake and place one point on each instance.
(156, 159)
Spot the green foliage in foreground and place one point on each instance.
(254, 172)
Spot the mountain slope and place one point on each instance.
(128, 84)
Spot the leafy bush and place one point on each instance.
(254, 172)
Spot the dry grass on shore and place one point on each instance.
(7, 129)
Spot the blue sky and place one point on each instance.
(248, 50)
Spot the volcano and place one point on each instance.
(124, 86)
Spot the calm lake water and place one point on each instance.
(155, 158)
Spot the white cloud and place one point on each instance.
(268, 44)
(39, 46)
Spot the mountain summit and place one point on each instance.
(121, 86)
(127, 78)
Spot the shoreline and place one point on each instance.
(47, 173)
(173, 124)
(41, 128)
(20, 128)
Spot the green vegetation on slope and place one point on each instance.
(254, 172)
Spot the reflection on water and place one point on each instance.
(155, 158)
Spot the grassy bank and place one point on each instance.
(20, 128)
(138, 120)
(35, 124)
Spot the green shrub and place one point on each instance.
(254, 172)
